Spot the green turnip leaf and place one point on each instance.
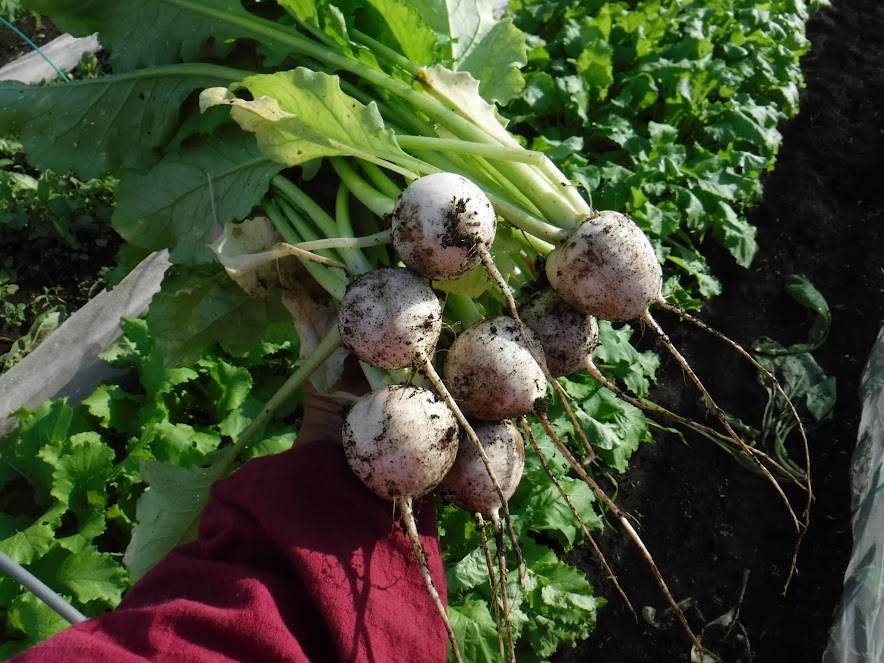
(301, 115)
(178, 34)
(167, 512)
(118, 122)
(178, 202)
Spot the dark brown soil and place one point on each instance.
(706, 520)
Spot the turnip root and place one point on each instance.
(437, 223)
(568, 337)
(607, 268)
(468, 483)
(491, 373)
(390, 318)
(470, 487)
(400, 441)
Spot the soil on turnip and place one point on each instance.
(707, 520)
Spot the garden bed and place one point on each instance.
(706, 520)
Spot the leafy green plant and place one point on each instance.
(666, 110)
(59, 226)
(70, 477)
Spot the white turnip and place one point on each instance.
(568, 337)
(438, 222)
(606, 268)
(390, 318)
(468, 483)
(491, 372)
(469, 486)
(400, 441)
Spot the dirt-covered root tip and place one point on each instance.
(437, 223)
(491, 372)
(606, 268)
(400, 441)
(390, 318)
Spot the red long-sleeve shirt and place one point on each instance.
(295, 561)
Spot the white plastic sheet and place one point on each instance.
(858, 633)
(67, 363)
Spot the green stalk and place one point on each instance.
(381, 180)
(324, 222)
(464, 308)
(365, 242)
(352, 255)
(497, 152)
(365, 193)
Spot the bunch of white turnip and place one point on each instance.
(455, 432)
(404, 441)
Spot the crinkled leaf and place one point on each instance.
(35, 540)
(546, 511)
(83, 465)
(460, 90)
(91, 523)
(179, 444)
(195, 309)
(617, 354)
(475, 630)
(48, 426)
(114, 407)
(561, 598)
(32, 618)
(92, 575)
(118, 122)
(468, 572)
(229, 385)
(167, 512)
(300, 115)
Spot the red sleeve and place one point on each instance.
(295, 561)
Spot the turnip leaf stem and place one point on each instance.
(364, 242)
(499, 152)
(379, 203)
(354, 258)
(380, 180)
(323, 220)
